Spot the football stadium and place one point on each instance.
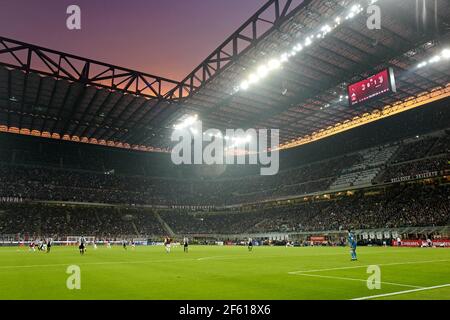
(307, 157)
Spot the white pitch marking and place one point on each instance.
(216, 257)
(365, 266)
(353, 279)
(93, 263)
(402, 292)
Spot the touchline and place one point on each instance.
(237, 146)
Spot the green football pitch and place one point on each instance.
(225, 273)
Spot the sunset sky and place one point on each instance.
(163, 37)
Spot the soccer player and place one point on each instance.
(167, 244)
(40, 245)
(250, 244)
(32, 246)
(49, 244)
(353, 244)
(82, 247)
(133, 244)
(186, 244)
(399, 242)
(124, 244)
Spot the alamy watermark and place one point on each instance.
(73, 21)
(73, 282)
(374, 280)
(235, 146)
(374, 19)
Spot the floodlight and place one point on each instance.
(262, 71)
(274, 64)
(308, 41)
(245, 85)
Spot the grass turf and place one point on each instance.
(223, 273)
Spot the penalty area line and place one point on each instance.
(353, 279)
(401, 292)
(365, 266)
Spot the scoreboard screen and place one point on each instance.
(372, 87)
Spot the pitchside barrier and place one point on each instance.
(74, 241)
(422, 243)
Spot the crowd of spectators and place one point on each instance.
(427, 155)
(442, 146)
(401, 206)
(47, 183)
(32, 220)
(415, 205)
(43, 183)
(412, 169)
(415, 150)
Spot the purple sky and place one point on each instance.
(164, 37)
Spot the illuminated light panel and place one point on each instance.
(444, 55)
(186, 123)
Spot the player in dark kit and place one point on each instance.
(250, 245)
(82, 246)
(186, 244)
(49, 245)
(124, 244)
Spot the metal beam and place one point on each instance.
(47, 62)
(231, 50)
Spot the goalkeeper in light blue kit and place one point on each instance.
(353, 244)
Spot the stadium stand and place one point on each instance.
(69, 190)
(35, 182)
(367, 169)
(58, 222)
(399, 206)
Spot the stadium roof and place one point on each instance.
(53, 94)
